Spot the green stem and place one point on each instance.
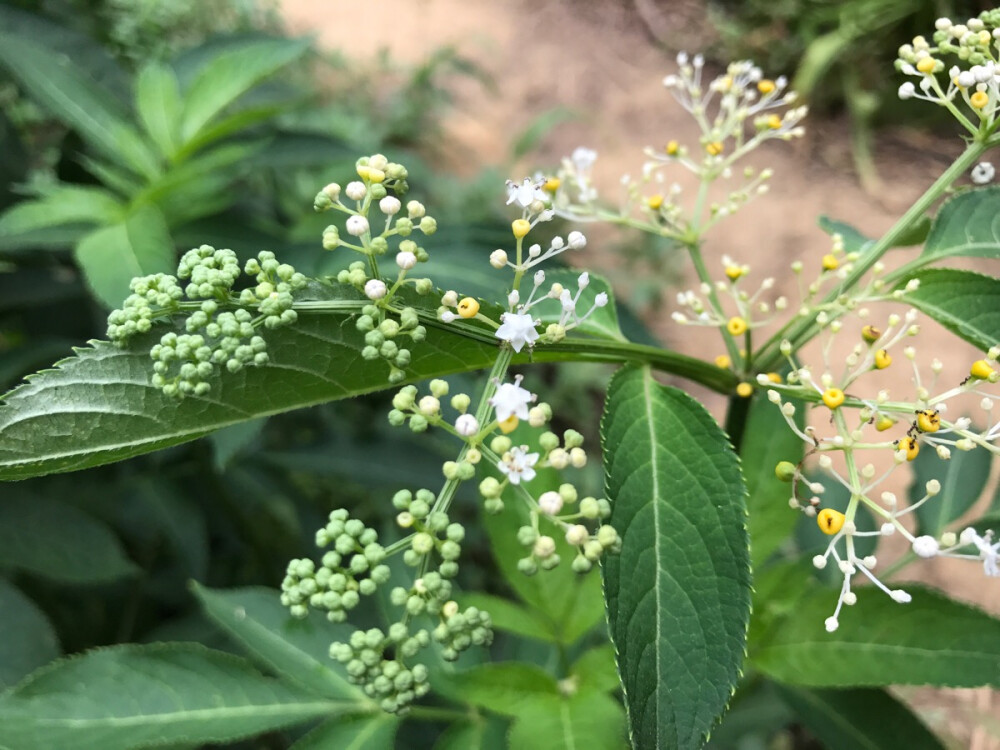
(694, 250)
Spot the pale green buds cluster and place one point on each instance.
(459, 631)
(387, 681)
(381, 335)
(351, 569)
(428, 528)
(422, 412)
(152, 297)
(210, 273)
(273, 293)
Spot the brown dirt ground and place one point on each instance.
(602, 60)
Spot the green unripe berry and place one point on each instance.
(527, 536)
(785, 471)
(364, 323)
(422, 543)
(568, 493)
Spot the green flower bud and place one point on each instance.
(460, 402)
(785, 471)
(548, 441)
(428, 225)
(423, 286)
(589, 508)
(500, 444)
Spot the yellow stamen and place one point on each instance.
(468, 307)
(910, 446)
(927, 65)
(552, 184)
(734, 272)
(884, 422)
(830, 521)
(723, 362)
(774, 377)
(979, 100)
(714, 148)
(871, 334)
(765, 86)
(833, 397)
(830, 262)
(744, 390)
(508, 425)
(673, 148)
(655, 201)
(737, 326)
(773, 122)
(928, 420)
(882, 359)
(981, 369)
(520, 227)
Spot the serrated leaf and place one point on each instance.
(932, 640)
(135, 696)
(231, 74)
(510, 617)
(862, 718)
(678, 595)
(47, 537)
(966, 303)
(61, 86)
(27, 639)
(112, 256)
(966, 225)
(298, 650)
(60, 205)
(159, 105)
(963, 478)
(583, 720)
(352, 733)
(768, 441)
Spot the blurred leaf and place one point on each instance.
(295, 649)
(854, 241)
(583, 720)
(232, 73)
(678, 595)
(181, 522)
(76, 99)
(288, 149)
(821, 53)
(966, 303)
(755, 715)
(27, 639)
(111, 257)
(966, 225)
(538, 129)
(63, 204)
(963, 478)
(932, 640)
(158, 103)
(510, 617)
(137, 696)
(376, 732)
(507, 688)
(859, 718)
(14, 165)
(230, 441)
(44, 536)
(596, 670)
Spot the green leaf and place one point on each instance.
(47, 537)
(966, 303)
(295, 649)
(854, 241)
(510, 617)
(596, 670)
(63, 204)
(61, 86)
(768, 441)
(539, 128)
(679, 593)
(229, 442)
(463, 736)
(584, 720)
(231, 74)
(136, 696)
(27, 640)
(158, 103)
(506, 688)
(111, 257)
(603, 322)
(966, 225)
(932, 640)
(352, 733)
(963, 478)
(862, 718)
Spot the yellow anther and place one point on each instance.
(723, 361)
(882, 359)
(774, 377)
(871, 334)
(714, 148)
(520, 227)
(509, 424)
(765, 86)
(884, 422)
(744, 390)
(927, 65)
(830, 521)
(551, 184)
(830, 262)
(737, 326)
(981, 369)
(833, 397)
(468, 307)
(734, 272)
(979, 100)
(726, 83)
(655, 201)
(773, 122)
(672, 148)
(371, 174)
(928, 420)
(910, 446)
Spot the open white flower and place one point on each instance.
(518, 465)
(511, 400)
(518, 329)
(524, 194)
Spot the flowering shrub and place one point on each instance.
(690, 509)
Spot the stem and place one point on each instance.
(694, 250)
(801, 331)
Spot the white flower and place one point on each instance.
(583, 158)
(518, 329)
(576, 241)
(518, 465)
(406, 260)
(983, 173)
(512, 400)
(601, 299)
(907, 91)
(925, 546)
(989, 553)
(375, 289)
(524, 194)
(550, 502)
(357, 225)
(389, 205)
(466, 425)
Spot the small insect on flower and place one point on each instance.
(928, 420)
(910, 446)
(830, 521)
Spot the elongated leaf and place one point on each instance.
(863, 718)
(111, 257)
(50, 538)
(966, 303)
(298, 650)
(27, 640)
(968, 224)
(584, 720)
(352, 733)
(930, 641)
(511, 617)
(136, 696)
(64, 88)
(854, 241)
(158, 103)
(962, 478)
(769, 440)
(231, 74)
(679, 593)
(64, 204)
